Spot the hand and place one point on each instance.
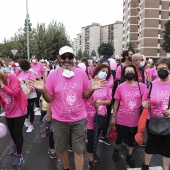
(113, 121)
(1, 84)
(98, 84)
(167, 113)
(48, 117)
(38, 84)
(97, 103)
(145, 104)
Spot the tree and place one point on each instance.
(166, 43)
(106, 49)
(79, 54)
(130, 47)
(85, 54)
(93, 53)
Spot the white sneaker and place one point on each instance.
(36, 109)
(30, 128)
(26, 123)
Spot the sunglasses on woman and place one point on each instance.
(70, 57)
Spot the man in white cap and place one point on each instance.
(66, 89)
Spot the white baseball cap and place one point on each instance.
(65, 49)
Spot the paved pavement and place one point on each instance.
(36, 158)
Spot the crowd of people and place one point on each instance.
(80, 100)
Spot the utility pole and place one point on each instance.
(28, 47)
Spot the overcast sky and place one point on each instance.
(73, 13)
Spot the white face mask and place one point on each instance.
(16, 64)
(9, 66)
(45, 67)
(142, 63)
(102, 75)
(34, 60)
(67, 73)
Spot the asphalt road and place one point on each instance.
(36, 158)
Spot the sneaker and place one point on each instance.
(145, 167)
(143, 144)
(115, 156)
(125, 144)
(36, 109)
(130, 161)
(96, 159)
(17, 161)
(70, 149)
(26, 123)
(52, 153)
(13, 150)
(30, 128)
(105, 141)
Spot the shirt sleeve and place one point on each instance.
(117, 95)
(86, 82)
(42, 68)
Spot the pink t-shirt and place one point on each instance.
(11, 110)
(26, 75)
(130, 102)
(68, 104)
(119, 71)
(38, 68)
(110, 81)
(91, 111)
(153, 73)
(100, 94)
(159, 98)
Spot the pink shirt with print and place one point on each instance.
(68, 104)
(159, 98)
(130, 102)
(38, 68)
(119, 71)
(100, 94)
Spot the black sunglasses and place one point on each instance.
(70, 57)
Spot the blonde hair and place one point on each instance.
(2, 77)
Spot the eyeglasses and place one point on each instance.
(163, 68)
(70, 57)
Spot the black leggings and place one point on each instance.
(51, 140)
(30, 110)
(104, 131)
(15, 126)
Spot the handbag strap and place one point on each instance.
(139, 90)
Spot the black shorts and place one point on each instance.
(125, 132)
(157, 144)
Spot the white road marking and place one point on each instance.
(150, 168)
(37, 113)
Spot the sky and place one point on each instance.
(74, 14)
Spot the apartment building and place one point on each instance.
(143, 25)
(91, 38)
(77, 44)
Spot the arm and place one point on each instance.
(115, 107)
(48, 115)
(43, 75)
(14, 86)
(102, 102)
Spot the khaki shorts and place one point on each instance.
(66, 132)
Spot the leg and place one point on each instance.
(79, 161)
(31, 110)
(10, 124)
(148, 158)
(64, 159)
(62, 140)
(18, 127)
(166, 163)
(51, 140)
(37, 99)
(78, 135)
(90, 137)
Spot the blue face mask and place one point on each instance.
(4, 69)
(102, 75)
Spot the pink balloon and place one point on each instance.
(113, 64)
(82, 66)
(3, 130)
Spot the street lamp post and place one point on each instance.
(28, 47)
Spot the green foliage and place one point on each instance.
(130, 47)
(166, 43)
(106, 49)
(44, 41)
(93, 53)
(85, 54)
(79, 54)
